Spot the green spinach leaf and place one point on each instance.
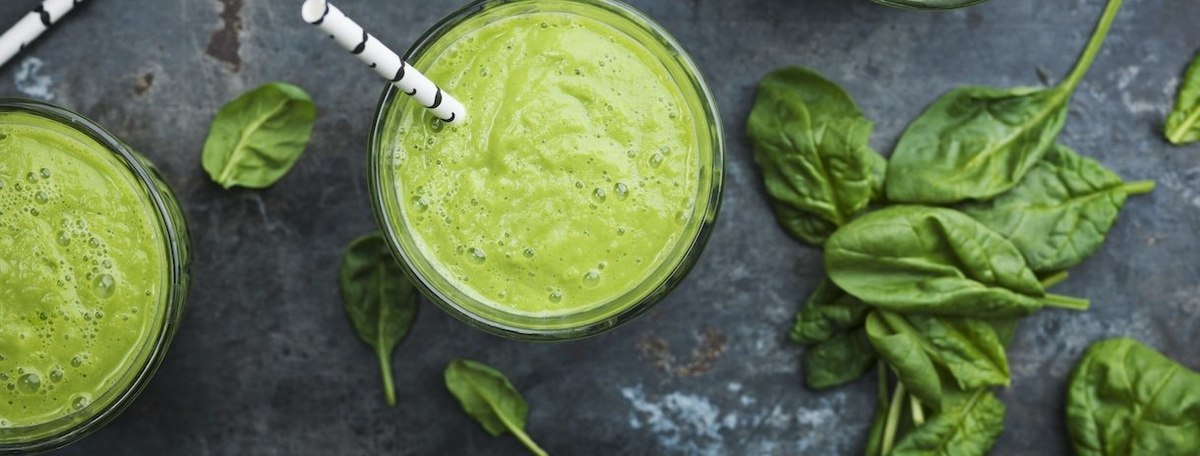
(826, 312)
(922, 260)
(1061, 212)
(1126, 399)
(912, 362)
(918, 347)
(488, 396)
(843, 358)
(977, 142)
(380, 301)
(256, 138)
(969, 426)
(810, 140)
(1183, 125)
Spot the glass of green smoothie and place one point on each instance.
(582, 186)
(93, 275)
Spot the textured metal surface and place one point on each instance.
(266, 363)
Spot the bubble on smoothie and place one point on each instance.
(476, 255)
(528, 253)
(420, 203)
(599, 195)
(80, 400)
(29, 383)
(31, 177)
(621, 189)
(591, 278)
(57, 374)
(104, 286)
(42, 197)
(656, 160)
(556, 296)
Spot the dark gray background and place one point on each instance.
(266, 363)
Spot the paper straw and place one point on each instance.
(388, 64)
(32, 25)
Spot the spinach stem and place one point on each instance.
(1055, 279)
(1066, 302)
(1176, 136)
(1093, 46)
(918, 413)
(893, 419)
(1138, 187)
(522, 436)
(385, 366)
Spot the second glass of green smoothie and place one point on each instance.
(582, 186)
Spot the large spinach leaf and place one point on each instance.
(1061, 212)
(1183, 125)
(810, 140)
(487, 395)
(922, 260)
(918, 347)
(256, 138)
(976, 142)
(1127, 399)
(380, 302)
(969, 426)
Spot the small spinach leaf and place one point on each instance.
(256, 138)
(974, 143)
(967, 427)
(1183, 125)
(488, 396)
(1061, 212)
(810, 140)
(912, 362)
(1125, 398)
(826, 312)
(843, 358)
(380, 301)
(913, 259)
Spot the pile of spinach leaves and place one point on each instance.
(933, 255)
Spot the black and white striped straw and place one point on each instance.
(384, 61)
(32, 26)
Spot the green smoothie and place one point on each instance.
(580, 175)
(82, 263)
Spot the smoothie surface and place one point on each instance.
(573, 180)
(81, 267)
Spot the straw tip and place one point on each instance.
(314, 10)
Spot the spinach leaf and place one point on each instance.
(969, 426)
(826, 312)
(1183, 125)
(912, 362)
(977, 142)
(913, 259)
(488, 396)
(256, 138)
(1125, 398)
(380, 302)
(918, 347)
(843, 358)
(810, 140)
(1061, 212)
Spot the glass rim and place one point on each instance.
(923, 5)
(672, 271)
(176, 239)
